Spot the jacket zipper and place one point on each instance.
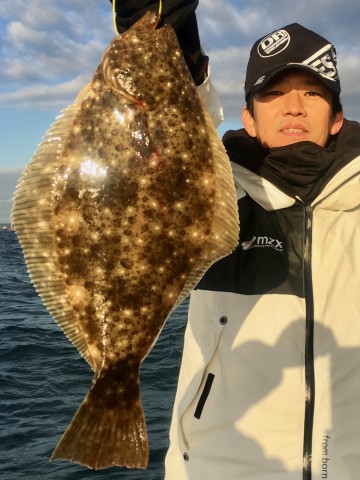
(309, 348)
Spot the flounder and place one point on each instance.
(128, 200)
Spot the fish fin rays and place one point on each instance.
(224, 233)
(100, 437)
(31, 214)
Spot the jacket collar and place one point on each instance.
(283, 168)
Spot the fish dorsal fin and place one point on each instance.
(32, 214)
(224, 232)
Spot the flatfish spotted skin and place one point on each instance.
(127, 202)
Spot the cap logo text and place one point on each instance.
(324, 62)
(274, 43)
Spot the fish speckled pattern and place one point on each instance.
(126, 203)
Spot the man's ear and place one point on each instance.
(337, 123)
(248, 122)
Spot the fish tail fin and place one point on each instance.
(108, 429)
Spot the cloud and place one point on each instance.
(18, 32)
(45, 96)
(239, 20)
(46, 44)
(47, 58)
(35, 13)
(349, 68)
(228, 47)
(49, 48)
(228, 69)
(228, 74)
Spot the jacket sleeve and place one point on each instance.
(211, 100)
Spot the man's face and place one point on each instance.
(293, 107)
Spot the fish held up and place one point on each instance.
(128, 200)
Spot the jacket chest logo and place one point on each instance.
(263, 242)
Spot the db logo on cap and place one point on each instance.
(274, 43)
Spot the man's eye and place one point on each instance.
(314, 94)
(273, 92)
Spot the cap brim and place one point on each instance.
(332, 85)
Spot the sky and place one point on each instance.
(50, 50)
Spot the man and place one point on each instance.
(269, 387)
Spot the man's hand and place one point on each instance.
(181, 15)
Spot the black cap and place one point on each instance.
(292, 46)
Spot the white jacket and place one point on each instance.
(269, 386)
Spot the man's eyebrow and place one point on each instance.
(310, 81)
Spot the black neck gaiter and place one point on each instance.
(301, 169)
(298, 169)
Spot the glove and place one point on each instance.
(181, 15)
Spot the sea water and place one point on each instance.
(43, 380)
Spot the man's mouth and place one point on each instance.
(294, 130)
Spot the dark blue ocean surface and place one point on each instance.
(43, 380)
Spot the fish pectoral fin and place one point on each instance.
(109, 427)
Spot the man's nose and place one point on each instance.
(293, 104)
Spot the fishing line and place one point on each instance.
(114, 17)
(114, 14)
